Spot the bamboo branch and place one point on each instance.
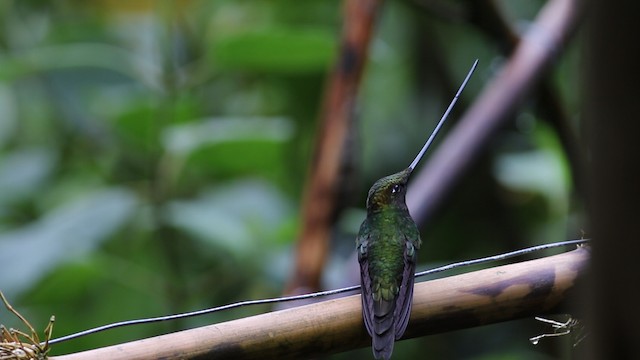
(477, 298)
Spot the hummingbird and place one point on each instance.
(387, 247)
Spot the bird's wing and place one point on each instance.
(379, 315)
(365, 281)
(405, 295)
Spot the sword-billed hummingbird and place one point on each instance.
(387, 245)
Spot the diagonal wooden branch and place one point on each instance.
(536, 50)
(477, 298)
(491, 19)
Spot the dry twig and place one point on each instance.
(18, 345)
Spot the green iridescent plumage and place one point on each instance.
(387, 246)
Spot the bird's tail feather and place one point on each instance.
(384, 329)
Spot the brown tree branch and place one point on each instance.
(534, 53)
(320, 198)
(477, 298)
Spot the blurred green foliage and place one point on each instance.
(153, 156)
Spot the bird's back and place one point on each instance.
(387, 266)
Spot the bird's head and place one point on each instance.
(390, 191)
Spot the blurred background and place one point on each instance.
(154, 154)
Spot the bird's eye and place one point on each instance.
(396, 188)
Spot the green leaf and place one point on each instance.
(23, 172)
(230, 145)
(67, 232)
(185, 138)
(243, 217)
(276, 50)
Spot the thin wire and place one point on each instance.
(415, 161)
(312, 295)
(501, 256)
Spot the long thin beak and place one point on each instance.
(444, 117)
